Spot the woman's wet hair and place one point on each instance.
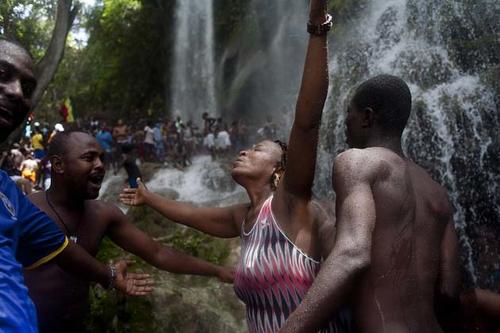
(284, 149)
(280, 166)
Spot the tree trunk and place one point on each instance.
(47, 67)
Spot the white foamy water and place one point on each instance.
(450, 129)
(196, 184)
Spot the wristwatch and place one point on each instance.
(320, 29)
(112, 280)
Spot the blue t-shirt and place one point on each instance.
(105, 140)
(28, 238)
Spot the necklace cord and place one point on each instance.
(58, 216)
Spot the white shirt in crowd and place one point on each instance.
(149, 135)
(209, 140)
(222, 141)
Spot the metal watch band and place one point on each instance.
(320, 29)
(112, 280)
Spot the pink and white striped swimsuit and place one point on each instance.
(274, 275)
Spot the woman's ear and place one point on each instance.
(276, 177)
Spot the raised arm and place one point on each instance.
(350, 256)
(130, 238)
(220, 222)
(303, 141)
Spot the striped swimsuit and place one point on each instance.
(274, 275)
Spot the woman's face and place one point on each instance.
(257, 162)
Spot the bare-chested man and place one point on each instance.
(396, 245)
(77, 173)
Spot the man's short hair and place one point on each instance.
(58, 144)
(389, 97)
(15, 42)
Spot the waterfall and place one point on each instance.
(453, 130)
(193, 79)
(204, 183)
(447, 51)
(260, 70)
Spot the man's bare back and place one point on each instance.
(396, 252)
(396, 294)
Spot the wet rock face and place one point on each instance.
(441, 50)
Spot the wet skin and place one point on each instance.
(77, 177)
(396, 292)
(396, 250)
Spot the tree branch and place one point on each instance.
(47, 67)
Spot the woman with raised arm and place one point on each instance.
(282, 230)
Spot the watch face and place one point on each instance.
(320, 29)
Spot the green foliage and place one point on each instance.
(29, 21)
(121, 71)
(111, 312)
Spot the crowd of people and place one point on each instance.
(170, 142)
(386, 259)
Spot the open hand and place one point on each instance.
(226, 274)
(134, 196)
(132, 284)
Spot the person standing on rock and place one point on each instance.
(284, 233)
(77, 174)
(396, 242)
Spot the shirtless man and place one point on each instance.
(77, 174)
(396, 246)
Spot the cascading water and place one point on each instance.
(453, 130)
(193, 79)
(259, 71)
(203, 183)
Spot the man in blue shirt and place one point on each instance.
(105, 140)
(28, 237)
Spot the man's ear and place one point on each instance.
(57, 164)
(368, 117)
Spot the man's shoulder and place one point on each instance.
(105, 209)
(358, 161)
(102, 205)
(426, 184)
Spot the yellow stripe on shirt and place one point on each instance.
(50, 256)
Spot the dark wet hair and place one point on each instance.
(280, 166)
(389, 97)
(284, 149)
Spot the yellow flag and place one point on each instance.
(69, 109)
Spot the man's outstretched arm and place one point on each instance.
(126, 235)
(41, 240)
(350, 256)
(77, 261)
